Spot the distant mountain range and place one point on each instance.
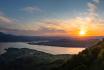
(13, 38)
(51, 41)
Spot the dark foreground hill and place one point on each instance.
(28, 59)
(90, 59)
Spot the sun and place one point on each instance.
(82, 33)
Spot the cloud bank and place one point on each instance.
(90, 23)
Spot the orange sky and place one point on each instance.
(73, 27)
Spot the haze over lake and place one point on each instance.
(48, 49)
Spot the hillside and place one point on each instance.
(28, 59)
(90, 59)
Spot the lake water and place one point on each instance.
(48, 49)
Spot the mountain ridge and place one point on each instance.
(50, 41)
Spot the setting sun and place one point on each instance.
(82, 33)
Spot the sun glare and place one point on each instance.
(82, 33)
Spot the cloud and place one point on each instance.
(90, 23)
(58, 27)
(41, 32)
(96, 1)
(31, 9)
(5, 20)
(92, 8)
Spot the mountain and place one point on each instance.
(28, 59)
(13, 38)
(90, 59)
(50, 41)
(66, 42)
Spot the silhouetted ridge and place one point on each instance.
(90, 59)
(100, 43)
(48, 41)
(28, 59)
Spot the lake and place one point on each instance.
(48, 49)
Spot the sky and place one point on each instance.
(52, 17)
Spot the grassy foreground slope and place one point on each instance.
(28, 59)
(90, 59)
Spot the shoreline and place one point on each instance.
(48, 49)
